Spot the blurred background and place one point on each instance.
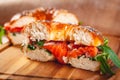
(104, 15)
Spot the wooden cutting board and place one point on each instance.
(14, 65)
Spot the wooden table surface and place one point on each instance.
(104, 15)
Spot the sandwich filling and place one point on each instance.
(61, 49)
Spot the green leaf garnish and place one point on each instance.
(107, 53)
(48, 52)
(105, 41)
(2, 33)
(14, 34)
(31, 47)
(40, 43)
(105, 67)
(112, 55)
(80, 23)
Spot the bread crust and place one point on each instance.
(47, 30)
(26, 17)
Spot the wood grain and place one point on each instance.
(5, 45)
(14, 65)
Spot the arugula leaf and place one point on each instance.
(2, 33)
(31, 47)
(48, 52)
(106, 49)
(40, 43)
(80, 23)
(105, 68)
(112, 54)
(105, 41)
(107, 53)
(14, 34)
